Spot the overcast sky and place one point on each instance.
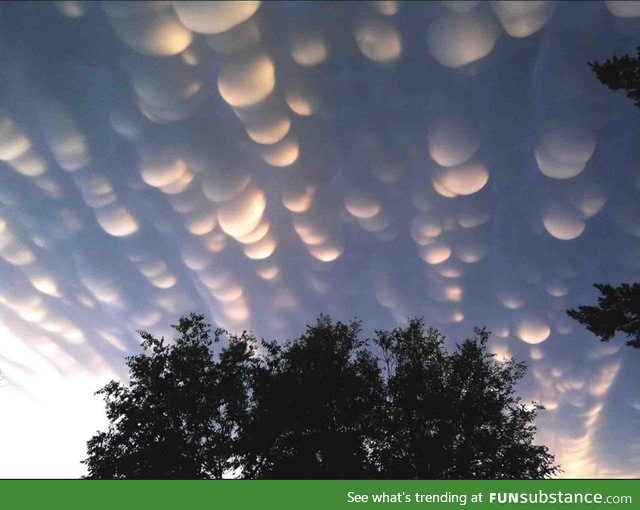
(263, 164)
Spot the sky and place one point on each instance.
(265, 163)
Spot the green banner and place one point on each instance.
(308, 494)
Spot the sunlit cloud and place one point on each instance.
(378, 39)
(270, 130)
(72, 8)
(564, 152)
(256, 234)
(532, 331)
(159, 170)
(242, 215)
(328, 251)
(298, 193)
(283, 153)
(214, 17)
(13, 143)
(435, 253)
(151, 28)
(459, 38)
(222, 183)
(261, 249)
(623, 9)
(116, 220)
(386, 7)
(522, 19)
(309, 49)
(302, 101)
(268, 272)
(362, 205)
(247, 79)
(452, 140)
(66, 142)
(563, 223)
(465, 179)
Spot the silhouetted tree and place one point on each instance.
(618, 310)
(179, 415)
(620, 73)
(317, 407)
(455, 415)
(320, 406)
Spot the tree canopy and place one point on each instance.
(317, 407)
(325, 405)
(620, 73)
(618, 311)
(456, 415)
(179, 415)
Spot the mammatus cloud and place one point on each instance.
(266, 162)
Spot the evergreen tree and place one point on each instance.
(620, 73)
(618, 310)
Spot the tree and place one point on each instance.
(323, 409)
(456, 415)
(321, 406)
(620, 73)
(618, 310)
(316, 407)
(179, 415)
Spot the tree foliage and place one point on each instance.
(455, 416)
(179, 415)
(620, 73)
(316, 407)
(618, 310)
(320, 406)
